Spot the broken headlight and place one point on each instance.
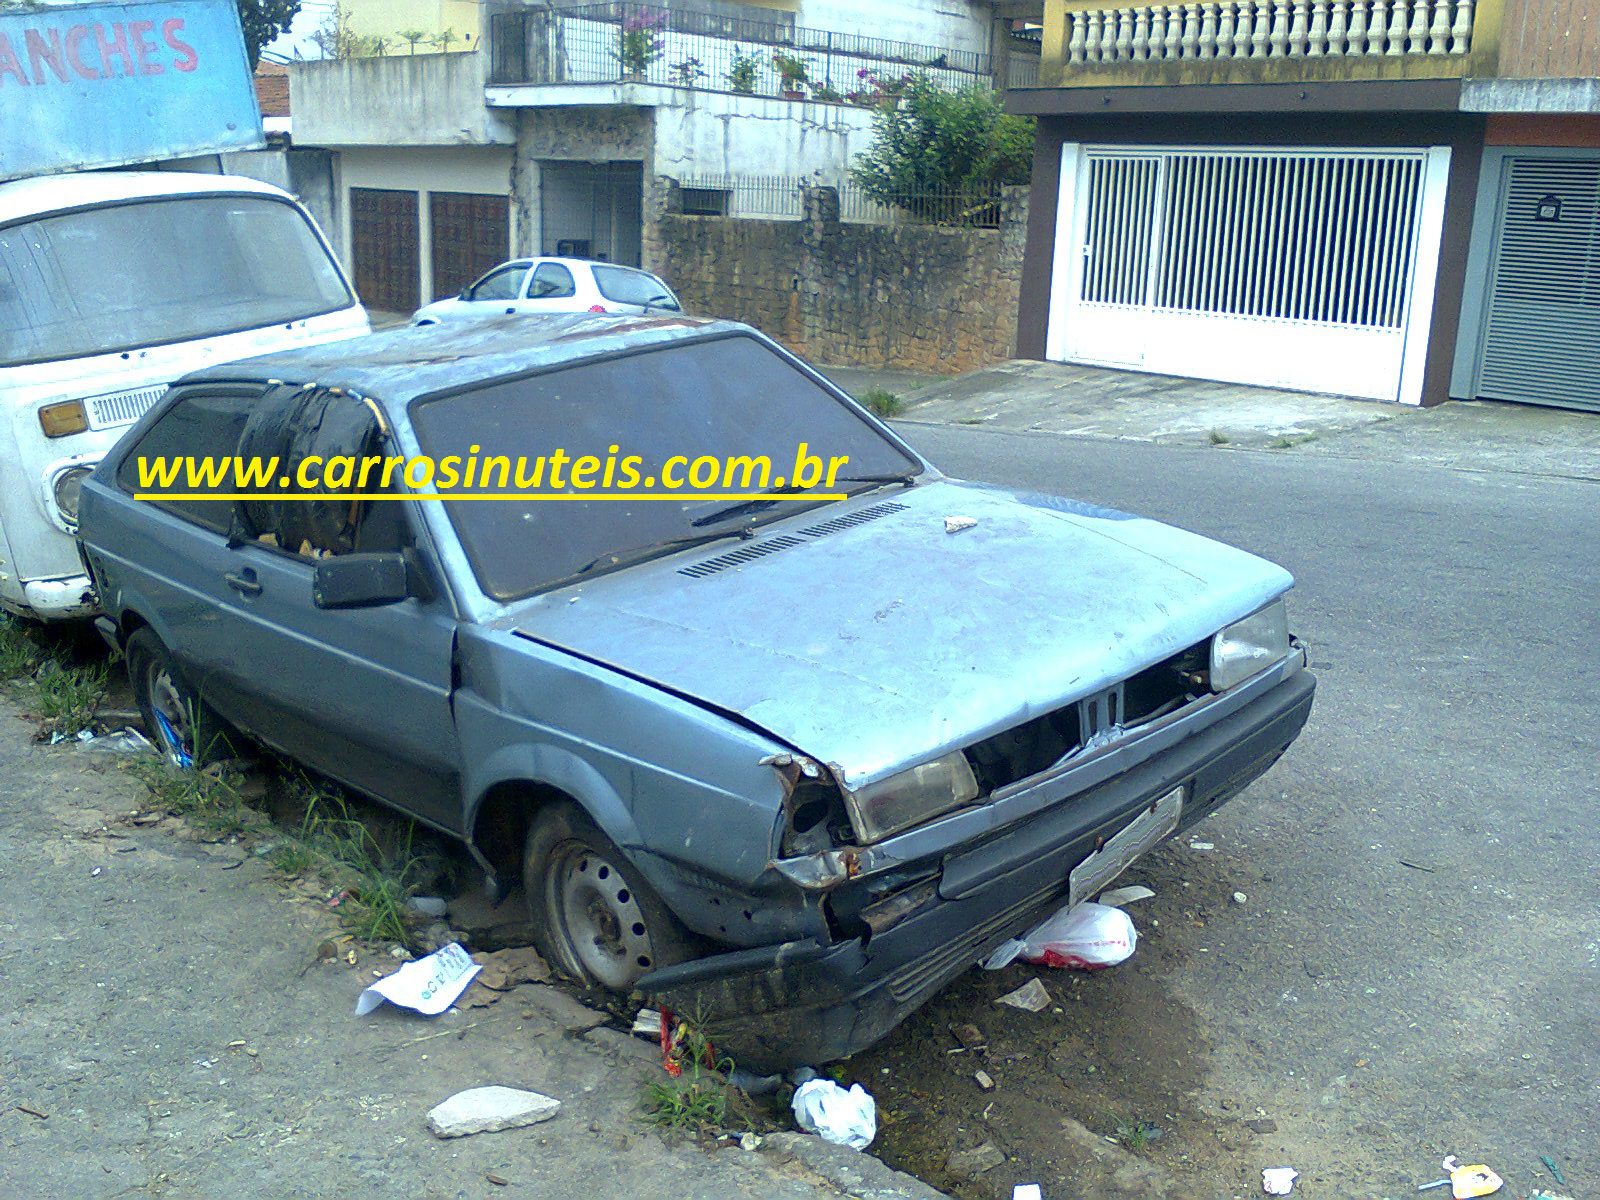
(911, 797)
(1248, 647)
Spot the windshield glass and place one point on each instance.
(729, 397)
(157, 271)
(622, 286)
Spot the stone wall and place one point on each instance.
(915, 297)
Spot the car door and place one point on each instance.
(360, 694)
(499, 291)
(551, 288)
(172, 556)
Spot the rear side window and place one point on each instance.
(551, 281)
(623, 286)
(200, 431)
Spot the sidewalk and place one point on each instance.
(169, 1031)
(1095, 402)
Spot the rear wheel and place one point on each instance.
(594, 917)
(185, 729)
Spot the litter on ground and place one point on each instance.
(1278, 1181)
(824, 1108)
(428, 986)
(1117, 897)
(1030, 997)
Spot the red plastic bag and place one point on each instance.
(1085, 937)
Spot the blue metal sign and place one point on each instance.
(101, 85)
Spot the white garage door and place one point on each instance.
(1305, 269)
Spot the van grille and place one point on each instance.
(121, 408)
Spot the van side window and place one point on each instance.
(189, 450)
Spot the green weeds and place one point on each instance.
(882, 402)
(65, 697)
(695, 1101)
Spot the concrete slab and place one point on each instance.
(1094, 402)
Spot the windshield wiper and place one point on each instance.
(903, 478)
(760, 504)
(616, 558)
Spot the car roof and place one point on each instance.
(21, 199)
(398, 365)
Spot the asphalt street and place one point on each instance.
(1415, 971)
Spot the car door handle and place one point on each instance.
(245, 582)
(511, 310)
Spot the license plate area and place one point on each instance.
(1121, 850)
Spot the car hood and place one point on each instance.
(871, 638)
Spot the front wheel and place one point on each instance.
(594, 918)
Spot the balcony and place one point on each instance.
(618, 43)
(1089, 44)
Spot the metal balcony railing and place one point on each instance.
(644, 43)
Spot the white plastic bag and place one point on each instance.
(1088, 936)
(850, 1118)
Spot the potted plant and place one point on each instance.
(826, 92)
(793, 72)
(688, 73)
(742, 76)
(642, 42)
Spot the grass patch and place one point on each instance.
(1218, 438)
(65, 698)
(20, 654)
(882, 402)
(1290, 441)
(209, 798)
(695, 1101)
(372, 866)
(376, 873)
(1136, 1136)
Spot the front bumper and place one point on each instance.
(775, 1007)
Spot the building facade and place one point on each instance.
(557, 136)
(1393, 199)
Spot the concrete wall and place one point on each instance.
(398, 100)
(917, 297)
(958, 24)
(308, 175)
(389, 18)
(715, 133)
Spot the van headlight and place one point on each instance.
(67, 488)
(911, 797)
(1250, 646)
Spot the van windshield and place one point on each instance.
(149, 272)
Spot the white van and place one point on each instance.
(112, 285)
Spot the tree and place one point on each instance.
(263, 20)
(926, 139)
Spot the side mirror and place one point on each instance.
(360, 580)
(466, 294)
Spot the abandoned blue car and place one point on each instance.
(788, 761)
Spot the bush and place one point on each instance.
(930, 140)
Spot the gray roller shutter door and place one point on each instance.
(1542, 332)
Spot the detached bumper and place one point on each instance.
(775, 1007)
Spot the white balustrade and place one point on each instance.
(1269, 29)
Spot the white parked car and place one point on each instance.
(555, 285)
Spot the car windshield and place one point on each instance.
(149, 272)
(728, 397)
(622, 286)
